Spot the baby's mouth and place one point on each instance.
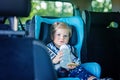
(61, 41)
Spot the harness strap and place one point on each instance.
(52, 54)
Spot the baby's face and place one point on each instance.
(61, 37)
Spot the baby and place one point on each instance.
(60, 35)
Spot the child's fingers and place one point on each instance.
(71, 67)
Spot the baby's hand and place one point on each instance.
(58, 57)
(71, 65)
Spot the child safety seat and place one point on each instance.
(42, 32)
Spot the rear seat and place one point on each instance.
(103, 44)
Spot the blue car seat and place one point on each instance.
(42, 26)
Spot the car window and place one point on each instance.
(50, 8)
(101, 5)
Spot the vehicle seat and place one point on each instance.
(103, 41)
(22, 58)
(42, 30)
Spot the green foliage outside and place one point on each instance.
(43, 8)
(101, 5)
(58, 9)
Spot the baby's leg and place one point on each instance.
(81, 73)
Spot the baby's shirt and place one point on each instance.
(53, 50)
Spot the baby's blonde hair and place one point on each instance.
(60, 25)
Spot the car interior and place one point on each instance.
(24, 55)
(43, 26)
(104, 40)
(20, 58)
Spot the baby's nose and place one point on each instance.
(62, 37)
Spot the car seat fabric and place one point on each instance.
(86, 19)
(22, 59)
(77, 22)
(68, 79)
(103, 41)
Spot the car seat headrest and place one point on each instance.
(20, 8)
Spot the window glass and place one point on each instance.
(101, 5)
(50, 8)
